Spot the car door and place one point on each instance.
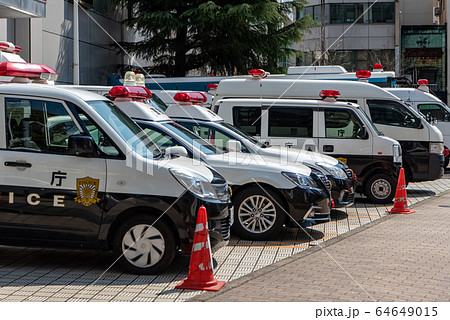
(436, 113)
(342, 135)
(46, 192)
(291, 126)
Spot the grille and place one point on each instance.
(225, 228)
(326, 182)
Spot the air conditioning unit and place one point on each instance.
(437, 10)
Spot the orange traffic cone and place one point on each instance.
(200, 276)
(400, 202)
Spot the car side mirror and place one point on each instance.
(234, 146)
(177, 151)
(81, 146)
(418, 123)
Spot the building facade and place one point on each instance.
(48, 38)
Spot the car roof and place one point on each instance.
(302, 102)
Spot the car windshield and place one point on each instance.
(193, 139)
(244, 135)
(157, 103)
(136, 139)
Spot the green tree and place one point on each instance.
(229, 37)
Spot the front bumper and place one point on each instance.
(307, 202)
(342, 191)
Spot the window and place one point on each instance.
(157, 103)
(290, 122)
(38, 125)
(211, 134)
(382, 13)
(346, 13)
(391, 113)
(433, 112)
(248, 119)
(343, 124)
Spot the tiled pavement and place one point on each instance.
(30, 274)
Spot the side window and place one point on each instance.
(391, 113)
(211, 134)
(100, 139)
(433, 112)
(248, 119)
(163, 141)
(290, 122)
(38, 125)
(343, 124)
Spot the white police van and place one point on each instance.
(214, 129)
(79, 173)
(339, 129)
(266, 194)
(422, 144)
(431, 107)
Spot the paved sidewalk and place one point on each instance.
(396, 258)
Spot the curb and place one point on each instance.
(203, 297)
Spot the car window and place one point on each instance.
(290, 122)
(38, 125)
(391, 113)
(211, 134)
(248, 119)
(343, 124)
(433, 112)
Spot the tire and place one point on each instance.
(144, 246)
(257, 214)
(380, 188)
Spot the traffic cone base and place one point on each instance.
(400, 202)
(200, 276)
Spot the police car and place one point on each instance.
(79, 173)
(214, 129)
(266, 195)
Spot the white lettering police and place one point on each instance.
(33, 199)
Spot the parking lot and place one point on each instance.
(33, 274)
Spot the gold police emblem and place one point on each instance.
(87, 190)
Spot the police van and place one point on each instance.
(431, 107)
(214, 129)
(266, 194)
(338, 129)
(422, 144)
(79, 173)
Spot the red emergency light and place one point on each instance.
(363, 74)
(330, 93)
(378, 67)
(423, 82)
(9, 47)
(193, 97)
(133, 92)
(26, 70)
(258, 73)
(212, 86)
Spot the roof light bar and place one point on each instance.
(9, 47)
(423, 82)
(27, 70)
(329, 93)
(258, 73)
(212, 86)
(193, 97)
(378, 67)
(363, 74)
(133, 92)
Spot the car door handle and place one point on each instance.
(328, 148)
(17, 164)
(288, 144)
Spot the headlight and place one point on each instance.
(436, 147)
(333, 170)
(300, 180)
(397, 153)
(201, 187)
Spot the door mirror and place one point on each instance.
(177, 151)
(418, 123)
(81, 146)
(234, 146)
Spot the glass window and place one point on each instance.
(433, 112)
(212, 134)
(391, 113)
(383, 13)
(248, 119)
(157, 103)
(290, 122)
(346, 13)
(343, 124)
(38, 125)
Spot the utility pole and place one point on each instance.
(397, 38)
(76, 45)
(322, 32)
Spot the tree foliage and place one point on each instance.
(229, 37)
